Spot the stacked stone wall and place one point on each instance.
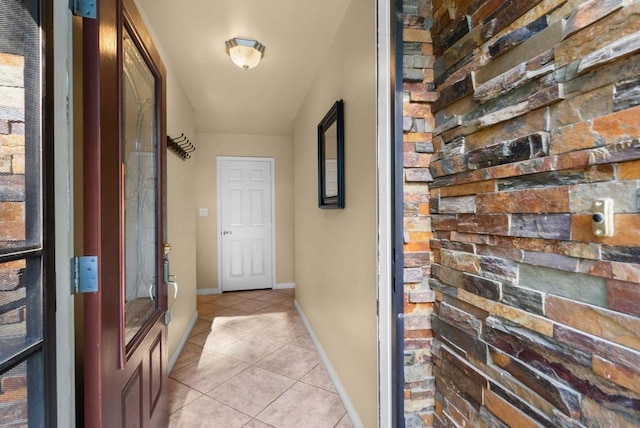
(12, 149)
(13, 384)
(418, 123)
(537, 319)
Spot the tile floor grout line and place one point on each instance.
(284, 316)
(225, 404)
(273, 401)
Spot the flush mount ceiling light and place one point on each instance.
(245, 53)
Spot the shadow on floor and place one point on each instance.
(249, 362)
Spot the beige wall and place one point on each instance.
(181, 206)
(181, 213)
(336, 249)
(212, 145)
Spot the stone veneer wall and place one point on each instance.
(418, 123)
(537, 320)
(12, 148)
(13, 384)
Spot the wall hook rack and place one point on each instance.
(180, 146)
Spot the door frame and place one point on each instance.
(389, 180)
(397, 215)
(272, 162)
(64, 196)
(63, 212)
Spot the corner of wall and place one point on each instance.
(173, 358)
(418, 123)
(181, 214)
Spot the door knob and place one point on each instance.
(227, 232)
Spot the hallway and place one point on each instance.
(249, 362)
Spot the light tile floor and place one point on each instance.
(249, 362)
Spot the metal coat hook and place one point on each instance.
(179, 139)
(181, 146)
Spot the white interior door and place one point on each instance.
(245, 223)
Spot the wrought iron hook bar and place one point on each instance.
(180, 146)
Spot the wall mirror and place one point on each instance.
(331, 158)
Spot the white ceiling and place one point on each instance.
(227, 99)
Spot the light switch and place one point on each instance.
(204, 212)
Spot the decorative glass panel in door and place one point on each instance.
(125, 365)
(140, 189)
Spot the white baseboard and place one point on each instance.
(355, 419)
(205, 291)
(183, 341)
(284, 285)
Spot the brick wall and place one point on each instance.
(13, 388)
(537, 320)
(12, 148)
(418, 123)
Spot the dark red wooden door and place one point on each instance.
(124, 123)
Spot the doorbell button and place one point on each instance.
(602, 217)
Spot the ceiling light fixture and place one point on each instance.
(245, 53)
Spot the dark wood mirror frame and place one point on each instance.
(331, 153)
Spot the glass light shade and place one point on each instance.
(245, 53)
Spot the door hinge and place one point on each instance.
(84, 274)
(84, 8)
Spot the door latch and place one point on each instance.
(169, 280)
